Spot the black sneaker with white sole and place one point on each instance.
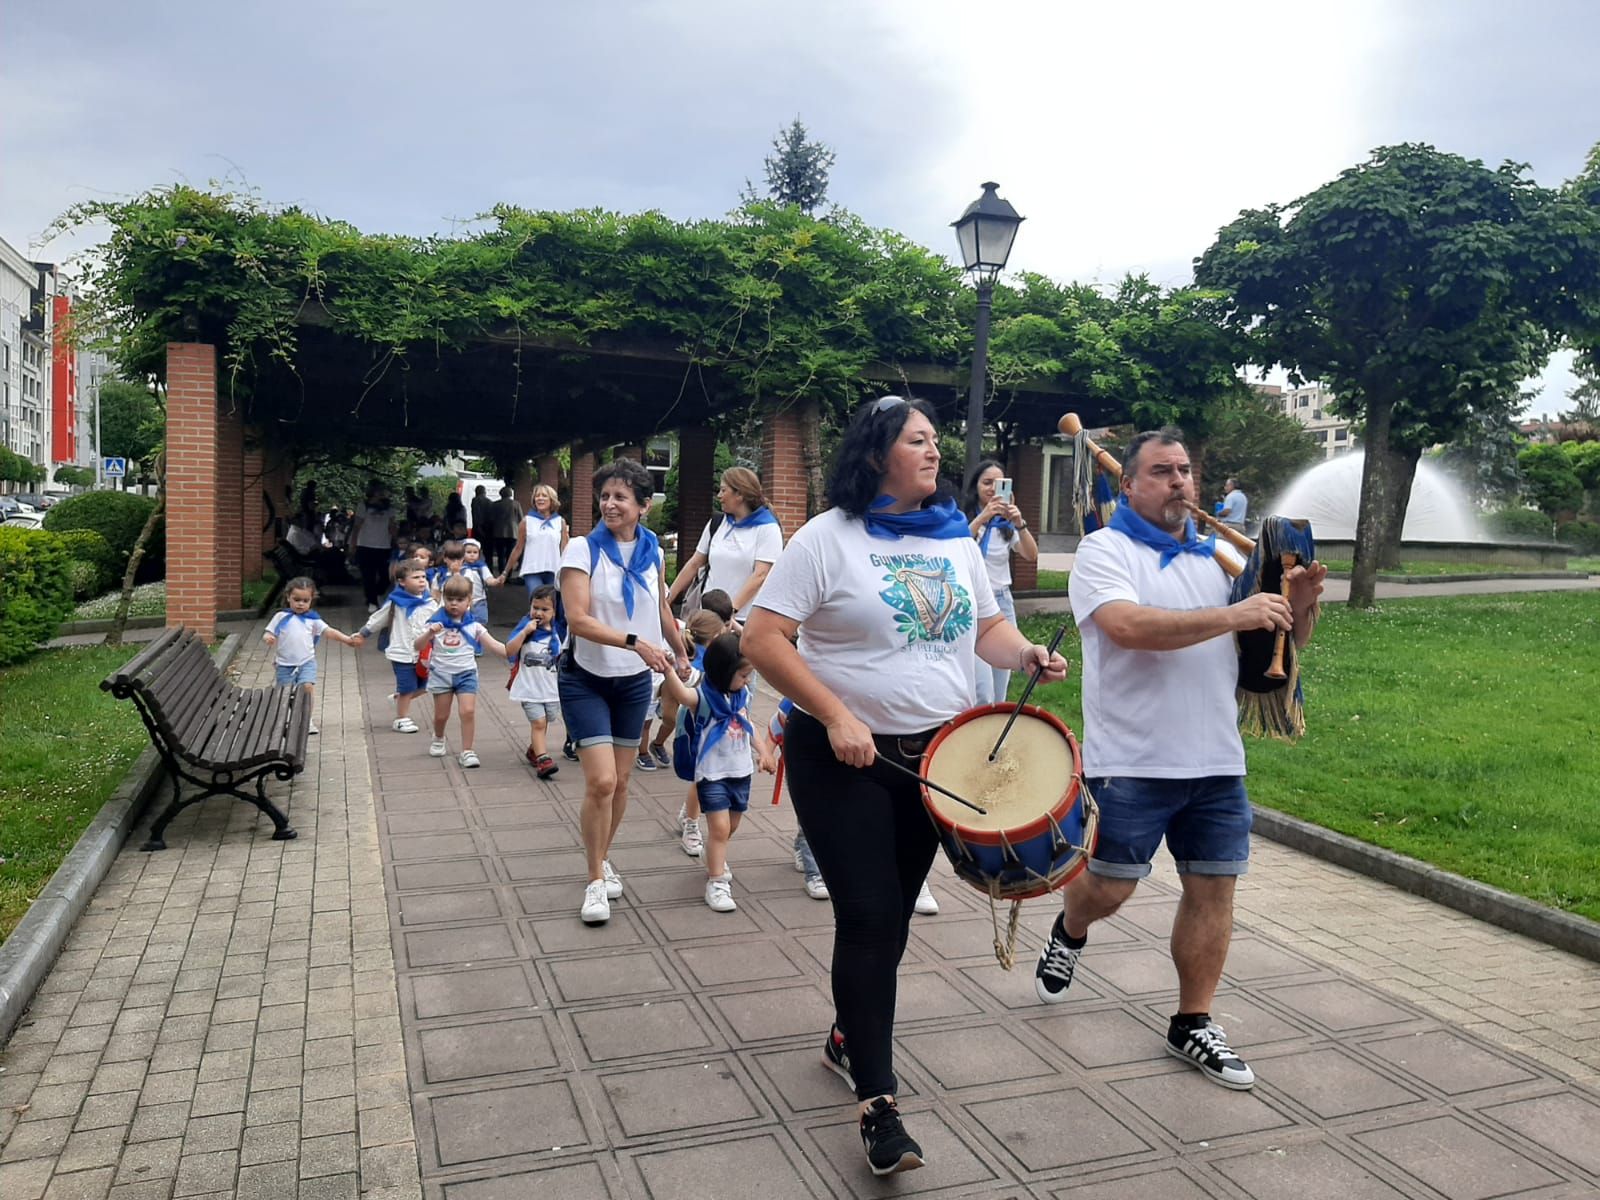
(836, 1058)
(889, 1147)
(1053, 976)
(1206, 1046)
(569, 751)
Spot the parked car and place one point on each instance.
(24, 520)
(10, 506)
(40, 501)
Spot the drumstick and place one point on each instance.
(1071, 425)
(1276, 671)
(1028, 691)
(940, 788)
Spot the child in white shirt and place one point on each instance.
(293, 634)
(453, 666)
(401, 619)
(534, 646)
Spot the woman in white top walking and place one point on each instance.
(541, 541)
(739, 546)
(620, 630)
(998, 526)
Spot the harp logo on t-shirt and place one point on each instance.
(930, 605)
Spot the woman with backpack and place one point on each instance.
(737, 547)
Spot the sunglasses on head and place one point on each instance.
(887, 402)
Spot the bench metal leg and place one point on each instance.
(281, 832)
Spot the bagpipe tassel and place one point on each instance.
(1270, 707)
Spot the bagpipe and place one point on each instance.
(1271, 702)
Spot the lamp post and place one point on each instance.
(985, 233)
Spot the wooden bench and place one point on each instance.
(210, 733)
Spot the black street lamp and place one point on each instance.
(985, 233)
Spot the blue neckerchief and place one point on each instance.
(406, 602)
(310, 614)
(449, 622)
(1131, 523)
(994, 523)
(536, 635)
(546, 522)
(699, 659)
(942, 520)
(761, 516)
(646, 553)
(726, 711)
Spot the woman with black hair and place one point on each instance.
(893, 609)
(620, 629)
(996, 522)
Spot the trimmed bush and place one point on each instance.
(1583, 535)
(35, 590)
(118, 517)
(1524, 524)
(94, 566)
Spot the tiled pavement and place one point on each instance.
(228, 1018)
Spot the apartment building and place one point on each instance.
(1311, 405)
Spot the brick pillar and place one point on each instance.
(1028, 485)
(783, 466)
(697, 457)
(522, 486)
(549, 471)
(192, 525)
(252, 514)
(581, 512)
(229, 504)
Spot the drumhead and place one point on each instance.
(1031, 777)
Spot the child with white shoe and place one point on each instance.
(293, 635)
(398, 624)
(456, 640)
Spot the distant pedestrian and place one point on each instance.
(505, 514)
(1235, 506)
(371, 540)
(481, 504)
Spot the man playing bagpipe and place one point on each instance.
(1162, 753)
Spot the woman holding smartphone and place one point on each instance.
(997, 524)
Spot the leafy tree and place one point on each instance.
(1422, 287)
(342, 473)
(1583, 418)
(1585, 460)
(14, 468)
(75, 476)
(1550, 481)
(796, 170)
(133, 422)
(1484, 455)
(1254, 441)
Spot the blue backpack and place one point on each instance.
(686, 743)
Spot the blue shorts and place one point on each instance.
(535, 579)
(540, 710)
(603, 709)
(406, 682)
(480, 614)
(724, 795)
(462, 683)
(286, 676)
(1206, 823)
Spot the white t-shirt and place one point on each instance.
(888, 626)
(730, 757)
(541, 543)
(452, 653)
(734, 553)
(1234, 507)
(374, 531)
(536, 678)
(997, 561)
(403, 631)
(605, 606)
(1154, 714)
(297, 639)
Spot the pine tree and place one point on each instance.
(797, 169)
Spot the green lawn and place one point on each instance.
(1459, 731)
(66, 747)
(1430, 567)
(1590, 566)
(1053, 581)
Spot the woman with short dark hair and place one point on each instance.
(893, 608)
(1000, 531)
(620, 630)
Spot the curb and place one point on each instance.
(1478, 577)
(73, 628)
(30, 951)
(1565, 931)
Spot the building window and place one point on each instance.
(1305, 401)
(1339, 435)
(1321, 435)
(1316, 414)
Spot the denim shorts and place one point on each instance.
(287, 676)
(1206, 823)
(603, 709)
(406, 682)
(462, 683)
(718, 795)
(540, 710)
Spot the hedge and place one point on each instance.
(94, 565)
(35, 590)
(118, 517)
(1524, 524)
(1583, 535)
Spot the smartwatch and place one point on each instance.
(631, 640)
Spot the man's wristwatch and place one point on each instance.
(631, 641)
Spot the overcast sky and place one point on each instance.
(1126, 133)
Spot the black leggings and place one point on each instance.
(374, 564)
(874, 843)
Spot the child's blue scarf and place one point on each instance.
(761, 516)
(994, 523)
(406, 602)
(538, 635)
(646, 554)
(942, 520)
(449, 622)
(1125, 520)
(726, 711)
(310, 614)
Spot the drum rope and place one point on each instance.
(1005, 952)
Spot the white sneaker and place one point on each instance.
(311, 727)
(719, 896)
(596, 908)
(815, 888)
(468, 758)
(926, 904)
(404, 725)
(799, 861)
(612, 879)
(437, 748)
(692, 840)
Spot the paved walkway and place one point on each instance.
(403, 1003)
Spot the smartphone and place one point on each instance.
(1002, 490)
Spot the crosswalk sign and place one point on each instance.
(115, 468)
